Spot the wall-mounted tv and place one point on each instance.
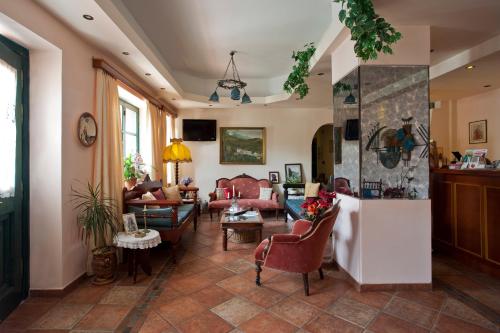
(199, 129)
(352, 129)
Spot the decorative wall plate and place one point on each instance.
(87, 129)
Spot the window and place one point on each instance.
(130, 128)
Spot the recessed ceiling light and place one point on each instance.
(125, 53)
(432, 50)
(298, 98)
(470, 67)
(163, 88)
(237, 105)
(148, 74)
(88, 17)
(173, 98)
(319, 74)
(265, 104)
(210, 105)
(487, 86)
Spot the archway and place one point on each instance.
(322, 154)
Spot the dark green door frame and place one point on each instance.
(21, 239)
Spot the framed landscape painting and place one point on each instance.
(478, 132)
(242, 145)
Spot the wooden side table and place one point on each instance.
(242, 223)
(139, 250)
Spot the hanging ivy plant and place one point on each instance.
(340, 87)
(295, 83)
(372, 33)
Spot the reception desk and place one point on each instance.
(466, 215)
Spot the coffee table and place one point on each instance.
(250, 222)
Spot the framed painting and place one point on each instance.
(478, 131)
(242, 145)
(87, 129)
(274, 177)
(293, 173)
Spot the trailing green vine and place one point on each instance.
(295, 83)
(340, 87)
(372, 33)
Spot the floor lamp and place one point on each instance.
(177, 153)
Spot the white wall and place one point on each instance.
(289, 134)
(61, 89)
(450, 123)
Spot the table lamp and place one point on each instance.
(176, 152)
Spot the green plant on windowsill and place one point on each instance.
(372, 33)
(129, 171)
(295, 83)
(97, 218)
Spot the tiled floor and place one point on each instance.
(214, 291)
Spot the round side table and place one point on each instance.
(138, 250)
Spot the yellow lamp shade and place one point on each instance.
(176, 152)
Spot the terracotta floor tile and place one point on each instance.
(265, 275)
(191, 284)
(239, 266)
(212, 296)
(223, 257)
(372, 298)
(264, 297)
(353, 311)
(237, 285)
(461, 282)
(294, 311)
(385, 323)
(266, 322)
(216, 274)
(167, 295)
(25, 315)
(187, 257)
(412, 312)
(459, 310)
(285, 284)
(195, 266)
(43, 300)
(329, 324)
(236, 310)
(125, 295)
(323, 298)
(62, 316)
(446, 324)
(488, 297)
(154, 323)
(180, 309)
(205, 322)
(103, 317)
(431, 299)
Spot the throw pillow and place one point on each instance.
(219, 193)
(228, 193)
(159, 194)
(311, 190)
(149, 196)
(172, 193)
(265, 193)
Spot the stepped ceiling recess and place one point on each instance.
(185, 44)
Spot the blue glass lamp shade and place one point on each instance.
(235, 94)
(246, 99)
(214, 97)
(350, 99)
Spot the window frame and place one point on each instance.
(124, 105)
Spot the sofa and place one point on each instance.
(169, 217)
(292, 205)
(249, 190)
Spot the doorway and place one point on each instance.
(14, 183)
(322, 154)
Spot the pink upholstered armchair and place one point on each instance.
(301, 251)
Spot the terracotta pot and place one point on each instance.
(129, 184)
(104, 264)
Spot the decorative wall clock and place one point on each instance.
(87, 129)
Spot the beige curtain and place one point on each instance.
(108, 159)
(158, 140)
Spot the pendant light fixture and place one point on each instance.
(232, 83)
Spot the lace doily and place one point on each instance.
(129, 241)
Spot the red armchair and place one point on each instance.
(301, 251)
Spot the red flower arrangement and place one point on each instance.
(313, 208)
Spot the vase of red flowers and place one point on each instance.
(313, 208)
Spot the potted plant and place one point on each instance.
(97, 219)
(130, 173)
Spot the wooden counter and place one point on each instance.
(466, 214)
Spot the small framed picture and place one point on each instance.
(478, 131)
(130, 223)
(293, 173)
(274, 177)
(87, 129)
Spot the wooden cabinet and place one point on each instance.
(466, 214)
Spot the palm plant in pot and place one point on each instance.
(97, 219)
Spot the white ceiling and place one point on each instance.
(196, 36)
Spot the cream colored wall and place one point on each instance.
(289, 134)
(450, 123)
(57, 256)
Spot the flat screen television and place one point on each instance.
(199, 129)
(351, 129)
